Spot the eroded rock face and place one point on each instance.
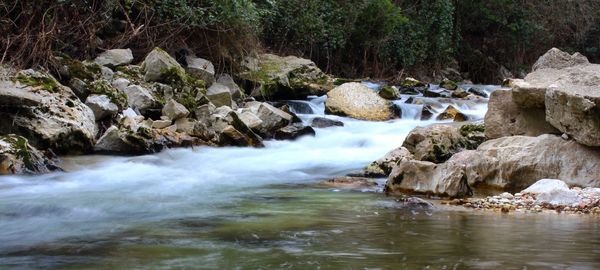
(357, 101)
(423, 177)
(505, 118)
(17, 156)
(290, 77)
(516, 162)
(558, 59)
(37, 107)
(573, 104)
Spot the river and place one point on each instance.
(245, 208)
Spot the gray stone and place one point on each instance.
(101, 106)
(219, 95)
(201, 69)
(383, 166)
(174, 110)
(272, 118)
(159, 64)
(234, 89)
(114, 58)
(557, 59)
(140, 99)
(357, 101)
(250, 119)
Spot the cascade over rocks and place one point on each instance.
(290, 77)
(36, 106)
(357, 101)
(17, 156)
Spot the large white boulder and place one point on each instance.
(358, 101)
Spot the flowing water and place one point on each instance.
(243, 208)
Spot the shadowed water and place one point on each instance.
(243, 208)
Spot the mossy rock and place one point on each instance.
(389, 92)
(72, 68)
(188, 91)
(409, 82)
(17, 156)
(103, 87)
(38, 80)
(449, 84)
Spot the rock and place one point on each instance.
(557, 59)
(120, 84)
(383, 166)
(412, 82)
(126, 141)
(37, 107)
(437, 143)
(423, 177)
(415, 203)
(185, 125)
(505, 118)
(453, 113)
(204, 112)
(294, 131)
(250, 119)
(159, 124)
(159, 65)
(478, 92)
(141, 100)
(436, 93)
(545, 185)
(573, 104)
(174, 110)
(101, 106)
(348, 182)
(219, 95)
(201, 69)
(290, 77)
(514, 163)
(17, 156)
(448, 84)
(231, 130)
(558, 197)
(357, 101)
(272, 118)
(234, 89)
(389, 92)
(459, 93)
(322, 122)
(114, 58)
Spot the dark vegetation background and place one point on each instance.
(350, 38)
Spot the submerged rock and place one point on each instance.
(348, 182)
(322, 122)
(17, 156)
(357, 101)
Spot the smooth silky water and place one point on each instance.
(244, 208)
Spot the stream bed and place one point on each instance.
(245, 208)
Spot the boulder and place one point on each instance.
(438, 143)
(383, 166)
(250, 119)
(322, 122)
(141, 100)
(505, 118)
(159, 124)
(159, 65)
(173, 110)
(17, 156)
(557, 59)
(459, 93)
(201, 69)
(234, 89)
(453, 113)
(114, 58)
(357, 101)
(573, 104)
(101, 106)
(514, 163)
(530, 92)
(276, 77)
(220, 95)
(231, 130)
(127, 141)
(545, 185)
(293, 131)
(477, 92)
(448, 84)
(389, 92)
(36, 106)
(272, 118)
(423, 177)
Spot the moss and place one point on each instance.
(22, 151)
(85, 72)
(42, 81)
(102, 87)
(130, 72)
(186, 89)
(469, 129)
(340, 81)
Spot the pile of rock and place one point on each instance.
(545, 194)
(110, 105)
(522, 127)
